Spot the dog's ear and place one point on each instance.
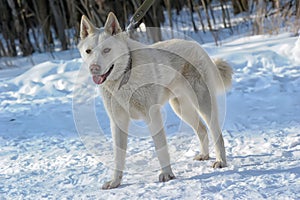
(112, 25)
(86, 27)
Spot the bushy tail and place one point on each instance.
(225, 72)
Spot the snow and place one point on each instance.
(55, 138)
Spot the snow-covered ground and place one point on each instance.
(44, 156)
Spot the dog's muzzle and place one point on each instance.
(97, 78)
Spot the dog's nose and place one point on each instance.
(94, 68)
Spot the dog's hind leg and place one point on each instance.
(186, 111)
(155, 125)
(208, 109)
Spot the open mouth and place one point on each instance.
(99, 79)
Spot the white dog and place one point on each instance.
(137, 79)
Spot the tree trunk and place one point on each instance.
(21, 27)
(2, 50)
(200, 17)
(154, 18)
(240, 6)
(190, 3)
(298, 9)
(7, 29)
(169, 9)
(60, 26)
(207, 15)
(42, 12)
(258, 25)
(209, 23)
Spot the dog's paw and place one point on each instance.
(219, 164)
(201, 157)
(164, 176)
(111, 184)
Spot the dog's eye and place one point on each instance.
(106, 50)
(88, 51)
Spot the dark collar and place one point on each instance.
(127, 71)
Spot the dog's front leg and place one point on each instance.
(120, 135)
(159, 137)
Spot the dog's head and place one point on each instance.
(104, 50)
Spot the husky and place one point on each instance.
(136, 80)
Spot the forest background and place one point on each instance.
(28, 26)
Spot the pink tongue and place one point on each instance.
(98, 79)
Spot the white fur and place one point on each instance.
(177, 71)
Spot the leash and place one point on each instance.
(139, 14)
